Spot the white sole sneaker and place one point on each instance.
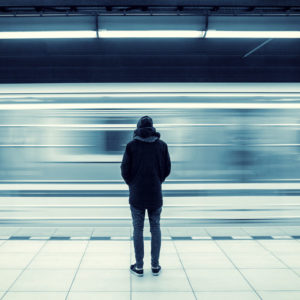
(136, 274)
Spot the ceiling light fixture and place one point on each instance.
(47, 34)
(150, 33)
(253, 34)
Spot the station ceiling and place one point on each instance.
(149, 60)
(153, 6)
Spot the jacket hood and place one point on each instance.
(146, 134)
(144, 121)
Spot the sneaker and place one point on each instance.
(156, 271)
(136, 272)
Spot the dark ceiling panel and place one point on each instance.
(151, 74)
(259, 3)
(222, 47)
(138, 61)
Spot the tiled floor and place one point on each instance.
(192, 269)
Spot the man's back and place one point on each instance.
(145, 166)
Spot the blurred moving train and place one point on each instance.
(215, 132)
(235, 151)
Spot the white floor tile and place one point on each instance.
(163, 295)
(35, 296)
(297, 270)
(16, 260)
(242, 246)
(109, 247)
(104, 260)
(282, 246)
(205, 260)
(3, 239)
(104, 270)
(44, 280)
(21, 246)
(217, 280)
(99, 296)
(64, 246)
(226, 296)
(272, 279)
(249, 260)
(168, 281)
(102, 280)
(292, 260)
(196, 246)
(278, 295)
(8, 276)
(50, 260)
(168, 261)
(167, 247)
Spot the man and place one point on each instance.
(145, 166)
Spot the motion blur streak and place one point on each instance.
(167, 105)
(234, 159)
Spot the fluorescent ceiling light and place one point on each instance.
(47, 34)
(253, 34)
(151, 33)
(147, 34)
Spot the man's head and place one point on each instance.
(145, 121)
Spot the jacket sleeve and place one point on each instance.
(167, 163)
(126, 165)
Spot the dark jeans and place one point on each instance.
(138, 217)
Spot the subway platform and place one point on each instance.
(252, 262)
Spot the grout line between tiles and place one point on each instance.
(77, 268)
(271, 252)
(237, 269)
(184, 269)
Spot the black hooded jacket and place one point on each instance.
(145, 166)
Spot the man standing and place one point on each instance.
(145, 166)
